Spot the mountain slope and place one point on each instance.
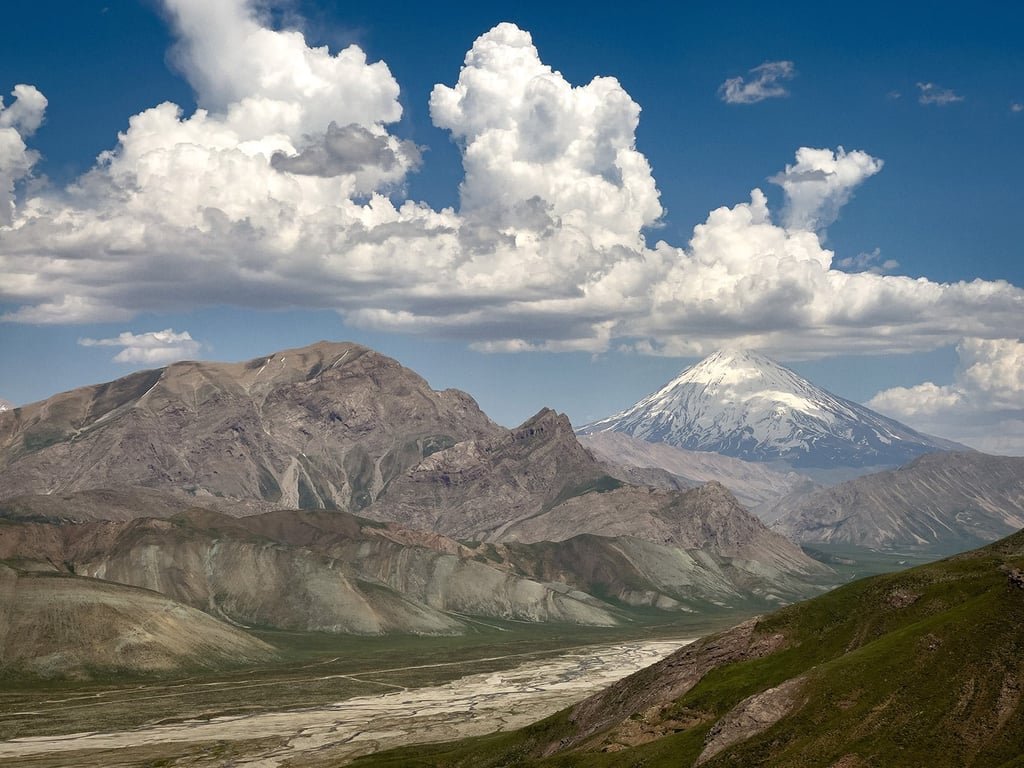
(476, 488)
(753, 484)
(742, 404)
(946, 502)
(322, 571)
(325, 426)
(537, 483)
(923, 667)
(54, 624)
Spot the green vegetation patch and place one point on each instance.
(923, 667)
(269, 488)
(37, 439)
(359, 470)
(435, 443)
(601, 484)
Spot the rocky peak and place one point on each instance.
(544, 422)
(324, 426)
(476, 488)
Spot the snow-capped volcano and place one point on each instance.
(742, 404)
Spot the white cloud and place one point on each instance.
(983, 407)
(153, 348)
(1016, 107)
(763, 84)
(272, 195)
(820, 183)
(748, 281)
(540, 153)
(25, 114)
(934, 94)
(18, 121)
(264, 82)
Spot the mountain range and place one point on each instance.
(335, 473)
(788, 450)
(234, 488)
(325, 426)
(744, 405)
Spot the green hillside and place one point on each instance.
(919, 668)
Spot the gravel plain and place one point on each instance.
(469, 706)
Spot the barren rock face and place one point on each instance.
(477, 489)
(326, 426)
(946, 501)
(752, 716)
(309, 571)
(751, 483)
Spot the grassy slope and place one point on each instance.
(923, 667)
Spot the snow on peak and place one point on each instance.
(741, 403)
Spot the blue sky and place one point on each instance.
(542, 282)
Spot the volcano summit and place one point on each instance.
(745, 405)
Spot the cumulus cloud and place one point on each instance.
(25, 113)
(18, 121)
(284, 189)
(1016, 107)
(533, 141)
(820, 183)
(983, 407)
(764, 83)
(153, 348)
(264, 81)
(930, 93)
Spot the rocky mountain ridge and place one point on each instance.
(185, 481)
(943, 502)
(329, 571)
(325, 426)
(338, 426)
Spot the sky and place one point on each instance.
(545, 204)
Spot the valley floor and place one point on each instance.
(471, 705)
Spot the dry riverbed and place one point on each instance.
(469, 706)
